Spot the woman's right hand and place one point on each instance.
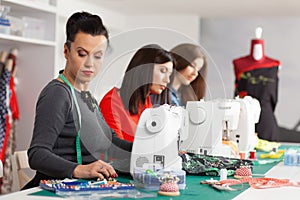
(98, 169)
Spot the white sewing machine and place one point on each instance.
(159, 132)
(244, 135)
(209, 122)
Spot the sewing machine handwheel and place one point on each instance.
(197, 116)
(155, 124)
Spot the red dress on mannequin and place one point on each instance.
(259, 78)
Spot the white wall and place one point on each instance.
(65, 9)
(185, 25)
(113, 20)
(227, 39)
(165, 30)
(223, 38)
(127, 34)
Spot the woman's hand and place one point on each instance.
(97, 169)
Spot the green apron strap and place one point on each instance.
(78, 146)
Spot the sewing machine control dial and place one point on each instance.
(197, 116)
(155, 124)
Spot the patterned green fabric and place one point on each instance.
(265, 145)
(256, 80)
(206, 165)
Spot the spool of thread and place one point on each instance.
(290, 157)
(252, 154)
(223, 174)
(275, 149)
(298, 158)
(242, 155)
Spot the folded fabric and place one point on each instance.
(265, 145)
(273, 155)
(207, 165)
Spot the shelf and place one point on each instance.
(21, 5)
(37, 58)
(4, 38)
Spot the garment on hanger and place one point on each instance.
(4, 82)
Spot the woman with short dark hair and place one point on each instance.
(69, 133)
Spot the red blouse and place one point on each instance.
(118, 118)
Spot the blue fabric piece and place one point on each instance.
(175, 97)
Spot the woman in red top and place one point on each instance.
(147, 73)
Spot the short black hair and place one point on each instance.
(84, 22)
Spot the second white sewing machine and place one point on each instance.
(222, 127)
(210, 122)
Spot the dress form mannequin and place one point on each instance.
(258, 48)
(257, 76)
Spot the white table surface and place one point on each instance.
(23, 195)
(283, 193)
(278, 171)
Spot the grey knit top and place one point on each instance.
(52, 150)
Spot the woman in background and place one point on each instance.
(190, 70)
(147, 73)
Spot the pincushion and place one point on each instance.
(169, 189)
(243, 172)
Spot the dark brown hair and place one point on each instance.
(139, 75)
(184, 55)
